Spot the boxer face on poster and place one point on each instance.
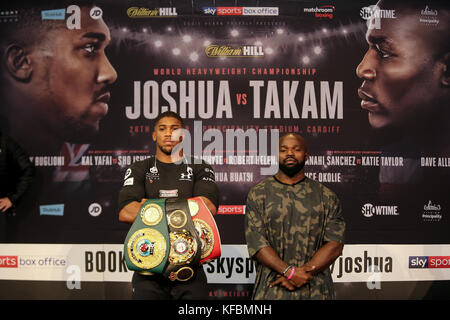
(404, 71)
(58, 86)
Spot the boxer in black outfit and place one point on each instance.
(167, 175)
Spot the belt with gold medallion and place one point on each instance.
(185, 246)
(147, 242)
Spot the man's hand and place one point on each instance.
(283, 282)
(130, 211)
(5, 204)
(302, 275)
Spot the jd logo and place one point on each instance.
(95, 209)
(96, 13)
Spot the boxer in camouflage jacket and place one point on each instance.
(293, 221)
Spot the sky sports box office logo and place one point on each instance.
(33, 261)
(429, 262)
(241, 11)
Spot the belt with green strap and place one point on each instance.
(147, 242)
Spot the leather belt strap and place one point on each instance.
(206, 228)
(185, 245)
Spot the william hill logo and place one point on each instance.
(136, 12)
(215, 51)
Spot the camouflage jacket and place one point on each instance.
(295, 220)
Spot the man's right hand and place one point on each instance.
(302, 275)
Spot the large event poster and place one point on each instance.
(241, 74)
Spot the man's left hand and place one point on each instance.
(283, 282)
(5, 204)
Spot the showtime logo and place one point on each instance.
(430, 262)
(369, 210)
(8, 262)
(230, 209)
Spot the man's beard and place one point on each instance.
(167, 152)
(291, 171)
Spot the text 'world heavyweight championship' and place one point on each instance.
(172, 237)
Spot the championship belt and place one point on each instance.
(147, 242)
(185, 250)
(206, 228)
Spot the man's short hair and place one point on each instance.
(30, 29)
(169, 114)
(440, 32)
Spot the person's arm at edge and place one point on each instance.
(210, 205)
(269, 257)
(130, 211)
(325, 256)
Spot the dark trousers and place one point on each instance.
(156, 287)
(2, 227)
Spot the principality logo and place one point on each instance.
(216, 51)
(432, 212)
(429, 12)
(429, 16)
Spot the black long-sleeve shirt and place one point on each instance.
(16, 169)
(152, 180)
